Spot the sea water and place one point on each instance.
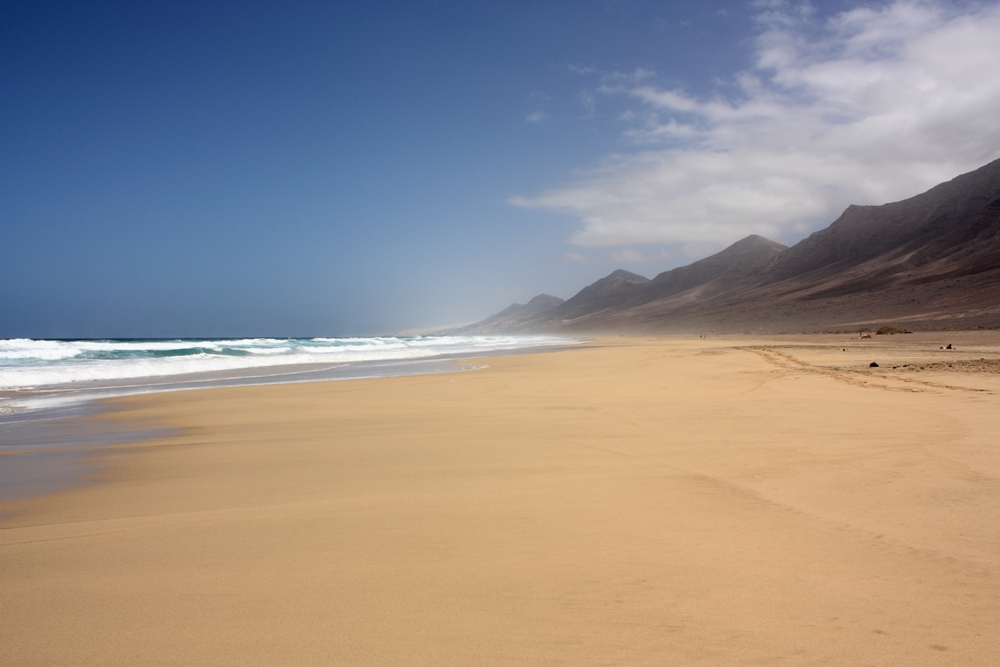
(46, 386)
(33, 370)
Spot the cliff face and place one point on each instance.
(931, 260)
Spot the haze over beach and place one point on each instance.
(491, 333)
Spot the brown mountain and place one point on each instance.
(512, 318)
(929, 261)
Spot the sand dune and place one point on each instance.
(636, 501)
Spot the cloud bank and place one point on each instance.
(869, 106)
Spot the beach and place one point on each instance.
(721, 501)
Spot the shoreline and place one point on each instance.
(44, 449)
(17, 400)
(642, 501)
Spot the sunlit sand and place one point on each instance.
(635, 501)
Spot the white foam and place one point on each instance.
(26, 363)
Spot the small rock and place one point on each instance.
(873, 365)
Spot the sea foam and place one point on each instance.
(27, 363)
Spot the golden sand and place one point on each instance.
(669, 501)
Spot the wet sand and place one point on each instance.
(636, 501)
(46, 437)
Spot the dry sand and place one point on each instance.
(669, 501)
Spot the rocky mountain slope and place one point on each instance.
(929, 261)
(513, 318)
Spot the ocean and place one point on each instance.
(46, 386)
(41, 373)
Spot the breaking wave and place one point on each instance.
(27, 363)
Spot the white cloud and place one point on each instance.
(580, 257)
(870, 106)
(535, 117)
(632, 256)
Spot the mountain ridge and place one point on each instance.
(930, 260)
(511, 317)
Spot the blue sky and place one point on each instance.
(246, 169)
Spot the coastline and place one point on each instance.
(642, 501)
(44, 445)
(67, 372)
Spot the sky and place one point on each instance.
(219, 169)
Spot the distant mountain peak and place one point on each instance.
(755, 241)
(933, 258)
(627, 276)
(512, 317)
(544, 301)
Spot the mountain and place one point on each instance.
(512, 318)
(607, 293)
(932, 260)
(741, 262)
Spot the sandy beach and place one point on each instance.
(734, 501)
